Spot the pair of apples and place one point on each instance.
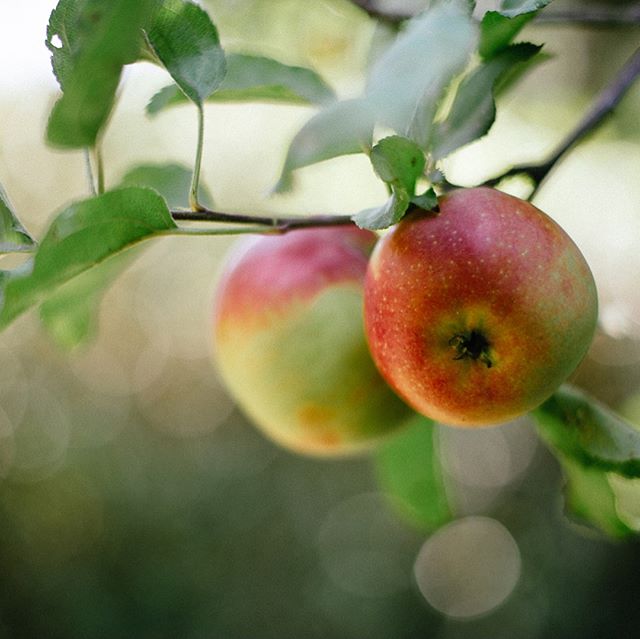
(473, 315)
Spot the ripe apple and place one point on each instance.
(475, 314)
(290, 344)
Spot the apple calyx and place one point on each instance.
(472, 345)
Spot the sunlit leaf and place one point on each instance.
(185, 40)
(587, 432)
(405, 93)
(255, 79)
(340, 129)
(409, 471)
(82, 236)
(90, 75)
(473, 110)
(589, 498)
(512, 8)
(13, 236)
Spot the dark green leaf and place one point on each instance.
(497, 31)
(408, 81)
(587, 432)
(589, 497)
(473, 110)
(90, 75)
(513, 8)
(172, 181)
(340, 129)
(13, 236)
(64, 24)
(409, 471)
(186, 42)
(256, 79)
(82, 236)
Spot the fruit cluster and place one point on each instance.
(473, 314)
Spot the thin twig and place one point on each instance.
(587, 16)
(267, 224)
(599, 112)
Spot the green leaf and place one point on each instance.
(90, 75)
(13, 236)
(590, 499)
(172, 181)
(399, 162)
(185, 40)
(82, 236)
(497, 32)
(513, 8)
(473, 110)
(63, 24)
(587, 432)
(427, 201)
(408, 81)
(382, 217)
(70, 313)
(409, 471)
(255, 79)
(340, 129)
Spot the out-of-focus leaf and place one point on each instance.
(473, 110)
(340, 129)
(81, 237)
(590, 499)
(588, 433)
(255, 79)
(13, 236)
(111, 36)
(409, 471)
(497, 31)
(399, 162)
(185, 40)
(172, 181)
(427, 200)
(407, 82)
(627, 498)
(513, 8)
(70, 314)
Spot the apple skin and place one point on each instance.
(477, 313)
(290, 345)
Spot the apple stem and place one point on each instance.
(472, 345)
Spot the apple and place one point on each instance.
(290, 345)
(476, 313)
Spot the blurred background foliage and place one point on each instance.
(136, 501)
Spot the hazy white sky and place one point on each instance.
(24, 59)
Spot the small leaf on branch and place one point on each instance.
(13, 236)
(497, 31)
(427, 201)
(82, 236)
(98, 39)
(473, 110)
(255, 79)
(587, 432)
(382, 217)
(410, 473)
(185, 40)
(172, 181)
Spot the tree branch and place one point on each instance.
(587, 16)
(268, 224)
(597, 114)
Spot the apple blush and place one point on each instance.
(476, 313)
